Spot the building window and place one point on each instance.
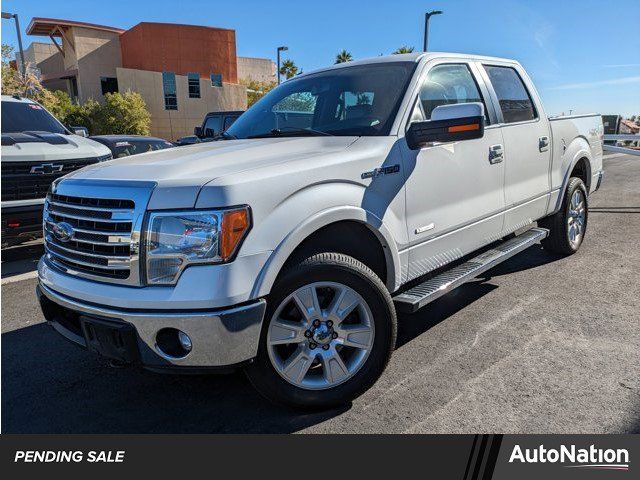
(216, 79)
(194, 85)
(169, 89)
(109, 85)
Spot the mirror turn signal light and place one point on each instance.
(464, 128)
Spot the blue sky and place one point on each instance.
(584, 55)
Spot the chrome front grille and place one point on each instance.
(96, 239)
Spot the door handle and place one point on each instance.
(496, 154)
(543, 144)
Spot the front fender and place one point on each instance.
(325, 217)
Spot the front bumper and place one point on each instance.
(220, 338)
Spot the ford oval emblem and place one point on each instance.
(62, 231)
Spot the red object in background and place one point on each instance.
(13, 224)
(181, 49)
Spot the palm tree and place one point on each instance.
(343, 57)
(288, 69)
(403, 49)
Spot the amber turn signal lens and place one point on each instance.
(235, 224)
(464, 128)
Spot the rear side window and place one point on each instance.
(449, 84)
(515, 101)
(214, 123)
(228, 121)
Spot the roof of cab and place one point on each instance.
(409, 57)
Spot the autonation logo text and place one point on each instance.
(592, 457)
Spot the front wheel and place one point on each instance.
(568, 226)
(330, 328)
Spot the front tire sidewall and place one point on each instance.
(268, 381)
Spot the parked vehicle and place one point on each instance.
(36, 149)
(214, 124)
(126, 145)
(340, 197)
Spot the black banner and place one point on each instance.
(459, 457)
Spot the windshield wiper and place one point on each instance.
(282, 132)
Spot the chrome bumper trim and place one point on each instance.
(220, 338)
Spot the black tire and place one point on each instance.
(558, 240)
(329, 267)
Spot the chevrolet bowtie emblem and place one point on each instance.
(46, 169)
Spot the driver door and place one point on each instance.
(455, 190)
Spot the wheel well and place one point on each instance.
(347, 237)
(582, 170)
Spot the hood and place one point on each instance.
(180, 173)
(195, 165)
(42, 146)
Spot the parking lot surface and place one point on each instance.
(540, 344)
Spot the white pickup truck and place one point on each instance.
(287, 246)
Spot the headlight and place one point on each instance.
(104, 158)
(177, 239)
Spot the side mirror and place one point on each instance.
(81, 131)
(197, 131)
(209, 133)
(449, 123)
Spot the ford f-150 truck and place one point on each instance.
(36, 149)
(342, 196)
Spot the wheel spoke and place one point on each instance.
(297, 366)
(344, 303)
(307, 302)
(357, 336)
(334, 369)
(283, 332)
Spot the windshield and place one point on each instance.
(20, 117)
(126, 148)
(360, 100)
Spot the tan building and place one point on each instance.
(181, 71)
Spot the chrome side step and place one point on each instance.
(433, 288)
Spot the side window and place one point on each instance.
(228, 121)
(448, 84)
(193, 80)
(169, 90)
(214, 123)
(515, 101)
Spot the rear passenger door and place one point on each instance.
(527, 153)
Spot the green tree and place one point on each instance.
(256, 90)
(121, 113)
(288, 68)
(403, 49)
(343, 57)
(9, 74)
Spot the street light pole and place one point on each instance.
(15, 17)
(280, 49)
(427, 16)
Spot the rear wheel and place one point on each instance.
(568, 226)
(329, 331)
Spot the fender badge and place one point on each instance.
(376, 172)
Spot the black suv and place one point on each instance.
(214, 124)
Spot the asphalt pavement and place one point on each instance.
(540, 344)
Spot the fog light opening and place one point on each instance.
(173, 343)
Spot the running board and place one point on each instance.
(433, 288)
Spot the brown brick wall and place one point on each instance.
(181, 49)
